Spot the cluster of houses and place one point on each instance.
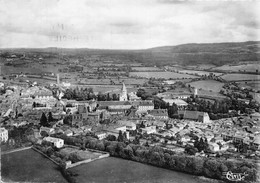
(81, 117)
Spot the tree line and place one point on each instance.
(208, 167)
(88, 94)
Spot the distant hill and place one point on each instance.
(187, 54)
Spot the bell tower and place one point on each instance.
(123, 94)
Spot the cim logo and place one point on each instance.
(235, 176)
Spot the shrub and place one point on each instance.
(100, 146)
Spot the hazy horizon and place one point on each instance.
(118, 49)
(125, 25)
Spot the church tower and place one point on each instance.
(123, 94)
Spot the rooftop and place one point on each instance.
(52, 139)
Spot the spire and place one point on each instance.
(123, 87)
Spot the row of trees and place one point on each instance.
(220, 107)
(87, 94)
(209, 167)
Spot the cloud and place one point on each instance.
(123, 24)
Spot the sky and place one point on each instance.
(126, 24)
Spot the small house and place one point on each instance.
(57, 142)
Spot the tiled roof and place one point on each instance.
(112, 103)
(194, 115)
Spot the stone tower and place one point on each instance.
(123, 94)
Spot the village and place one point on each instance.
(35, 114)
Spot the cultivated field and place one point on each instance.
(240, 77)
(241, 67)
(164, 75)
(201, 73)
(146, 68)
(210, 85)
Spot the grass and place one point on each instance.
(165, 75)
(29, 166)
(212, 85)
(119, 170)
(83, 154)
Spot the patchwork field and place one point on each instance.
(210, 85)
(241, 67)
(164, 75)
(146, 68)
(240, 77)
(107, 81)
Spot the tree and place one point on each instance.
(191, 150)
(136, 140)
(111, 137)
(50, 118)
(142, 125)
(67, 120)
(34, 104)
(114, 97)
(43, 120)
(125, 136)
(120, 137)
